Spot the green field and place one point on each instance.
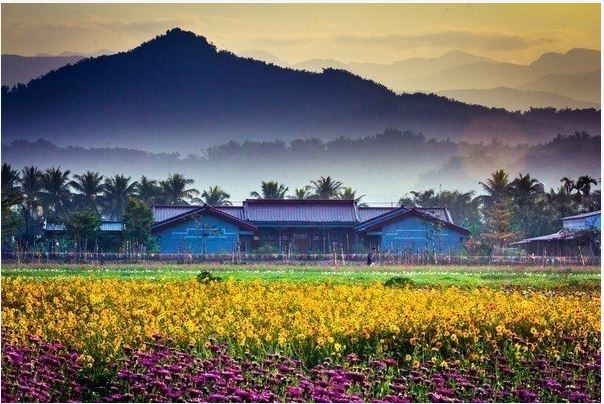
(497, 276)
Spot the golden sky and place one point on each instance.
(348, 33)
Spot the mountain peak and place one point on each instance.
(177, 40)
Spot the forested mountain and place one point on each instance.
(177, 92)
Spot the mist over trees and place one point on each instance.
(379, 166)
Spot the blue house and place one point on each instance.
(305, 227)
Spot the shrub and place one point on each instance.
(207, 277)
(398, 282)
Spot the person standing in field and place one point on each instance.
(371, 257)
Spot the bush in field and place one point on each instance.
(398, 282)
(207, 277)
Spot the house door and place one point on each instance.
(301, 243)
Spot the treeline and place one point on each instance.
(507, 209)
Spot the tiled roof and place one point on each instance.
(401, 212)
(300, 211)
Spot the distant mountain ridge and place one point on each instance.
(178, 92)
(552, 72)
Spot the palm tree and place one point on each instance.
(423, 198)
(56, 193)
(10, 179)
(583, 185)
(215, 196)
(147, 190)
(326, 187)
(116, 191)
(569, 185)
(561, 200)
(350, 194)
(524, 189)
(270, 190)
(301, 193)
(175, 192)
(90, 186)
(31, 186)
(525, 192)
(497, 187)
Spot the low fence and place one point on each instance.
(325, 259)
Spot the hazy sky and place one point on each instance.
(372, 33)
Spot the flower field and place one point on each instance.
(181, 340)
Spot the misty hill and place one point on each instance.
(178, 92)
(583, 86)
(383, 166)
(21, 69)
(514, 99)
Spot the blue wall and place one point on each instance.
(205, 234)
(582, 223)
(416, 234)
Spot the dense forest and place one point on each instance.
(507, 208)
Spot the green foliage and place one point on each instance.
(138, 219)
(83, 227)
(206, 277)
(398, 282)
(266, 249)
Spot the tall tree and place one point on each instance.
(583, 187)
(499, 223)
(497, 187)
(348, 193)
(301, 193)
(83, 227)
(30, 182)
(116, 191)
(11, 197)
(215, 196)
(56, 194)
(526, 192)
(175, 190)
(89, 186)
(138, 219)
(326, 187)
(148, 191)
(270, 190)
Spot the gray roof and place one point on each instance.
(105, 226)
(582, 215)
(297, 211)
(561, 235)
(300, 211)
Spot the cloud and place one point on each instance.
(282, 40)
(451, 39)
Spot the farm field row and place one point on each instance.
(539, 277)
(297, 334)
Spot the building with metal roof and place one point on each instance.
(304, 226)
(571, 240)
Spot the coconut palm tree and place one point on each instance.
(175, 190)
(526, 193)
(10, 179)
(148, 191)
(270, 190)
(568, 184)
(497, 187)
(56, 194)
(562, 201)
(116, 191)
(215, 196)
(30, 182)
(326, 188)
(583, 187)
(89, 186)
(348, 193)
(301, 193)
